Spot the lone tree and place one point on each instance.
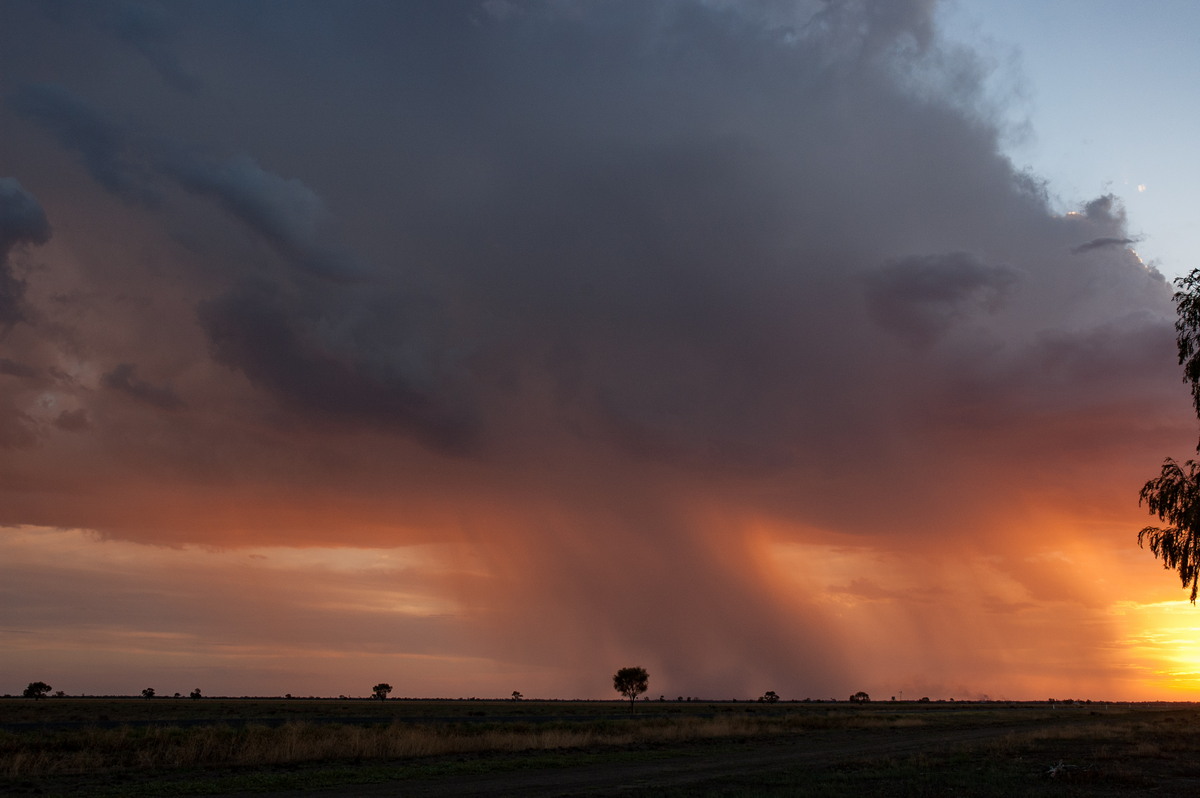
(37, 690)
(631, 683)
(195, 693)
(860, 698)
(148, 692)
(769, 697)
(381, 691)
(1174, 495)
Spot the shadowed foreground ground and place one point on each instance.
(751, 766)
(985, 761)
(903, 749)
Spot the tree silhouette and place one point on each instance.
(381, 691)
(37, 690)
(769, 697)
(1174, 495)
(860, 698)
(631, 682)
(148, 692)
(195, 693)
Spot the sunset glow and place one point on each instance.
(490, 346)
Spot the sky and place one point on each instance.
(481, 345)
(1097, 99)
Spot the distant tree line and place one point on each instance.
(629, 682)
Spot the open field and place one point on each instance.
(162, 746)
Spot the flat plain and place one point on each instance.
(402, 747)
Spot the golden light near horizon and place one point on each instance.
(1163, 646)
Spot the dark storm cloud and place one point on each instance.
(17, 428)
(12, 294)
(1098, 243)
(285, 212)
(653, 271)
(73, 420)
(22, 221)
(124, 379)
(919, 298)
(106, 147)
(660, 220)
(254, 331)
(15, 369)
(149, 30)
(146, 27)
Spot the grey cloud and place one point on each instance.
(17, 428)
(22, 221)
(253, 331)
(920, 297)
(1100, 243)
(876, 28)
(123, 379)
(612, 242)
(287, 213)
(150, 31)
(73, 420)
(1064, 381)
(1112, 359)
(87, 30)
(12, 298)
(16, 369)
(109, 151)
(666, 221)
(1104, 208)
(598, 203)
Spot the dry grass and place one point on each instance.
(1119, 739)
(265, 740)
(98, 750)
(416, 730)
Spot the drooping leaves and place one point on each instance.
(1174, 496)
(1187, 331)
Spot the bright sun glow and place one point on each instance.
(1164, 645)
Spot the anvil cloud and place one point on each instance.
(480, 346)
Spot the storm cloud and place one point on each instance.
(101, 143)
(1104, 241)
(663, 322)
(124, 379)
(920, 297)
(22, 221)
